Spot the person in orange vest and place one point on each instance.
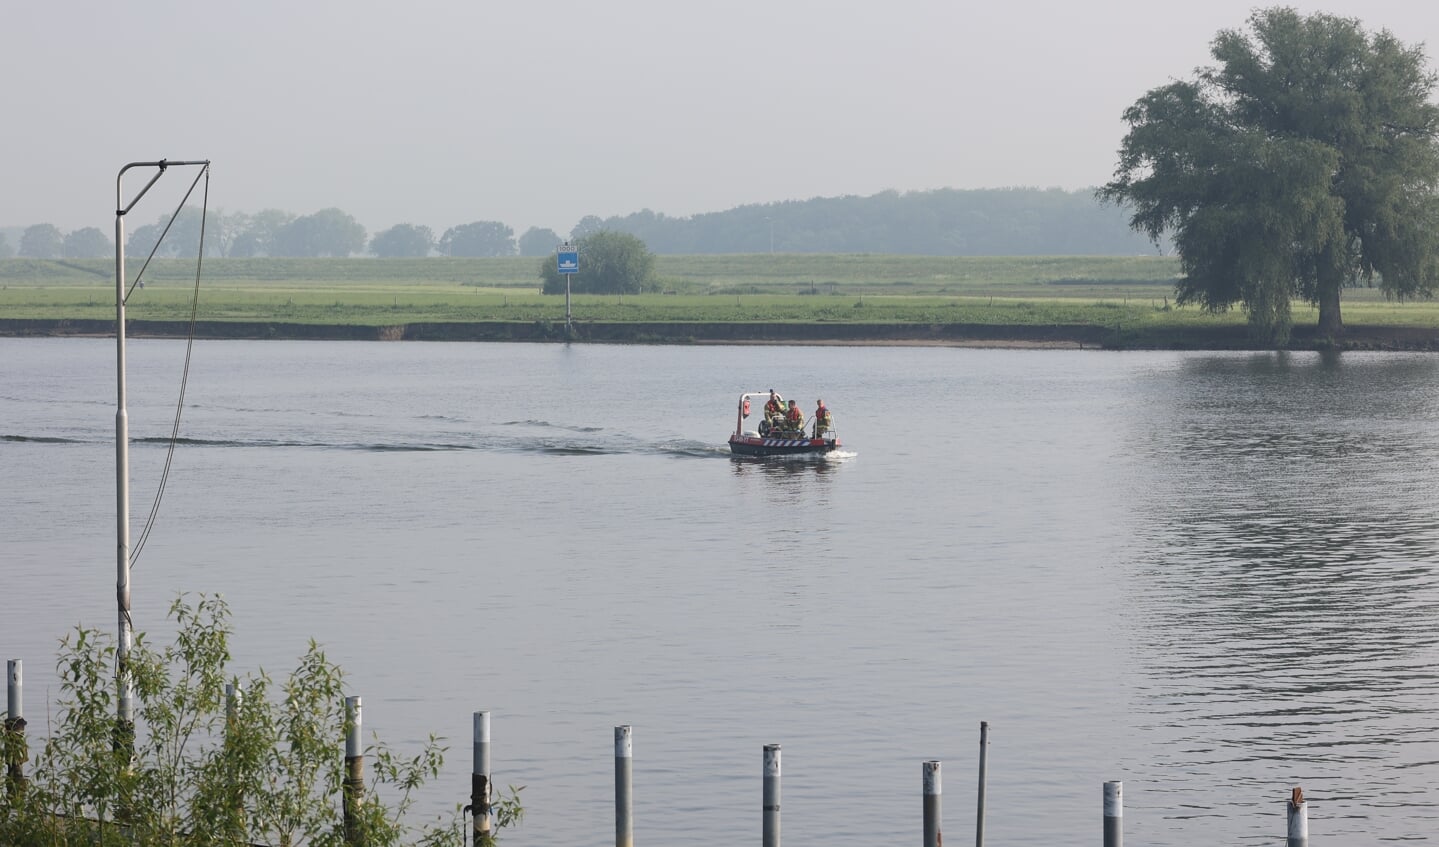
(794, 418)
(823, 421)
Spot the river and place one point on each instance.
(1210, 575)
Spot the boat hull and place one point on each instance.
(753, 445)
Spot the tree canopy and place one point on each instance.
(328, 232)
(254, 235)
(403, 241)
(610, 263)
(42, 241)
(1305, 161)
(88, 243)
(538, 242)
(481, 238)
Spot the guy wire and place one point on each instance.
(189, 347)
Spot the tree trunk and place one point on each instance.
(1331, 324)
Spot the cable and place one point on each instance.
(185, 374)
(205, 172)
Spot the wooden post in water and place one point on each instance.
(983, 775)
(353, 790)
(933, 811)
(1298, 820)
(480, 779)
(624, 787)
(15, 726)
(771, 796)
(1114, 814)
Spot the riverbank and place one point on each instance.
(1226, 337)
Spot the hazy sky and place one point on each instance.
(538, 112)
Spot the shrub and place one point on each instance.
(197, 768)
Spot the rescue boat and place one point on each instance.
(764, 441)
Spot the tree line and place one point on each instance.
(944, 222)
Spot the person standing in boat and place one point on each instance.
(774, 408)
(794, 419)
(773, 414)
(823, 421)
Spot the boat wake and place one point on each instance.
(41, 439)
(573, 441)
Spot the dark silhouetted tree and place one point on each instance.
(1305, 161)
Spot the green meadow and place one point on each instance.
(1132, 292)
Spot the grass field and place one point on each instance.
(1133, 292)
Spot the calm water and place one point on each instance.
(1211, 576)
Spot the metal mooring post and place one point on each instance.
(933, 812)
(771, 795)
(624, 787)
(234, 697)
(983, 774)
(15, 725)
(354, 788)
(1114, 814)
(1298, 820)
(480, 778)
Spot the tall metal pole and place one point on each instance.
(125, 691)
(126, 704)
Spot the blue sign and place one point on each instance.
(569, 260)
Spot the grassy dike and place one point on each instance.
(1115, 302)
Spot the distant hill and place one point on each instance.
(944, 222)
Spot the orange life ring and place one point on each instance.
(746, 407)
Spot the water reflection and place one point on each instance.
(782, 466)
(786, 480)
(1284, 581)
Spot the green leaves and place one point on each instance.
(198, 768)
(1305, 161)
(610, 263)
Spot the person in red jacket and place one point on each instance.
(794, 418)
(823, 420)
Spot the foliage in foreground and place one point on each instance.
(267, 770)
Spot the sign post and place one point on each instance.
(567, 259)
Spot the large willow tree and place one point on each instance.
(1305, 161)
